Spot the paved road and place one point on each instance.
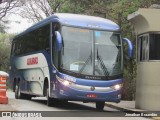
(40, 102)
(64, 111)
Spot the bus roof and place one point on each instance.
(84, 21)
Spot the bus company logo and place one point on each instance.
(6, 114)
(92, 88)
(93, 77)
(20, 114)
(32, 61)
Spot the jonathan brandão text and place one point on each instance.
(141, 115)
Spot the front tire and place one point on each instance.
(18, 94)
(49, 100)
(27, 97)
(100, 105)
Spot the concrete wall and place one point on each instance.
(148, 86)
(145, 20)
(148, 73)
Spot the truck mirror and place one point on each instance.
(130, 47)
(58, 40)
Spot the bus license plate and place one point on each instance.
(91, 95)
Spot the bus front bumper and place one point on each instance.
(73, 94)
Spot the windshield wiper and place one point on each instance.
(86, 62)
(105, 70)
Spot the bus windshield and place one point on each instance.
(91, 52)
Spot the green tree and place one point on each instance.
(119, 13)
(5, 45)
(37, 10)
(7, 7)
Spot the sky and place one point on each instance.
(17, 24)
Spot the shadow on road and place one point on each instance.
(73, 109)
(67, 105)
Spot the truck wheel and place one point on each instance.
(18, 94)
(49, 100)
(27, 97)
(100, 105)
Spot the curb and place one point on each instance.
(115, 107)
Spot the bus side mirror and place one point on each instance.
(130, 47)
(58, 40)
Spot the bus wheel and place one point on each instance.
(28, 97)
(18, 94)
(49, 100)
(100, 105)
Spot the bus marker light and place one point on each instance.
(61, 91)
(119, 96)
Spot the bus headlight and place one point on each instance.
(117, 87)
(64, 82)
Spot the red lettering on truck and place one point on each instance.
(32, 61)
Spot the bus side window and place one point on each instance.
(17, 47)
(13, 49)
(30, 45)
(43, 38)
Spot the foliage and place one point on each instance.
(7, 7)
(2, 28)
(35, 10)
(5, 45)
(57, 5)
